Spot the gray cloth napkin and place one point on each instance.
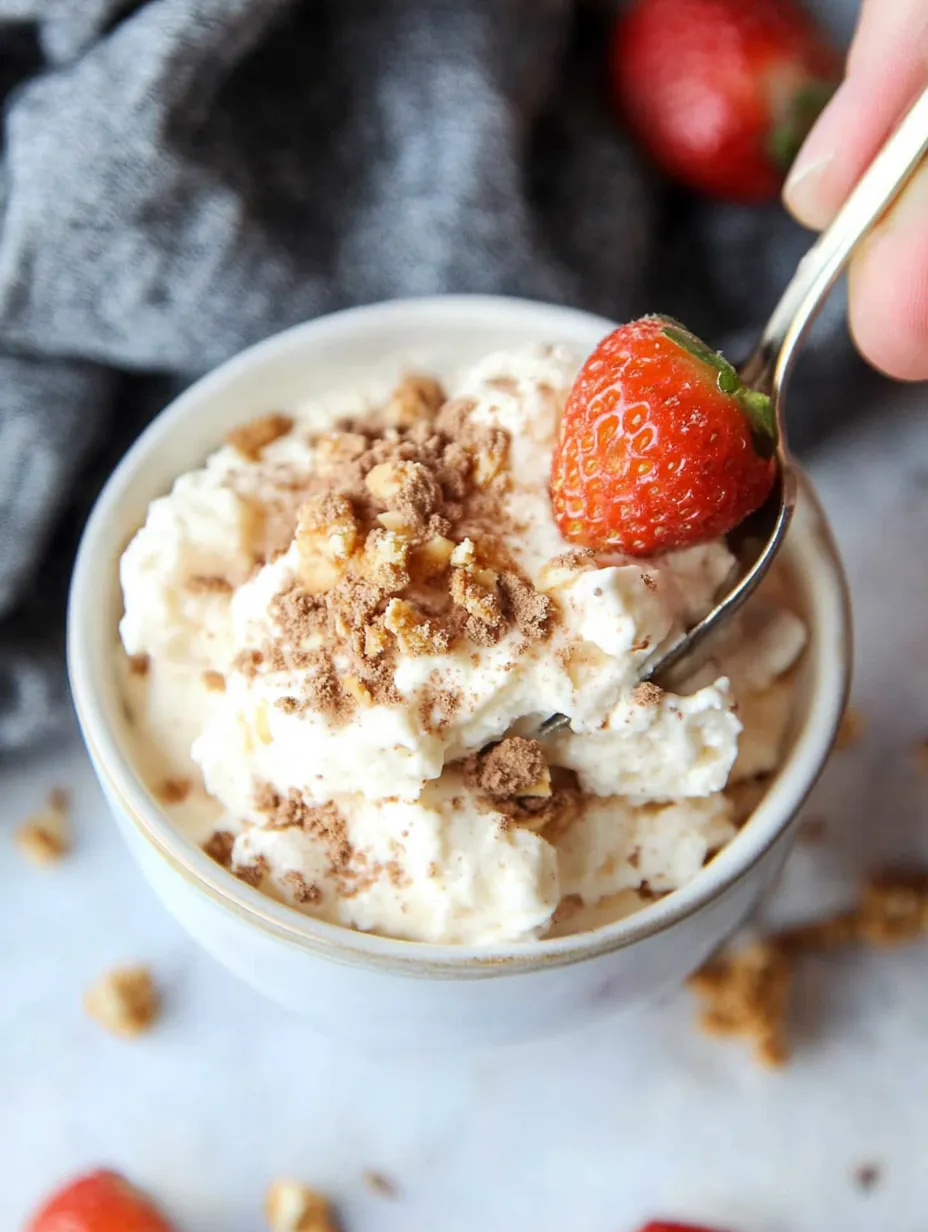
(180, 178)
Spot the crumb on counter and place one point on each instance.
(746, 992)
(124, 1001)
(380, 1183)
(291, 1206)
(868, 1176)
(44, 838)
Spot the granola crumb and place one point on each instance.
(219, 847)
(251, 438)
(380, 1183)
(302, 890)
(291, 1206)
(647, 694)
(514, 767)
(745, 993)
(124, 1001)
(45, 837)
(851, 728)
(174, 791)
(214, 681)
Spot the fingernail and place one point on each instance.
(801, 192)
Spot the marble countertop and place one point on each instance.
(589, 1133)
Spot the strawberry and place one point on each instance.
(721, 92)
(675, 1227)
(661, 446)
(98, 1202)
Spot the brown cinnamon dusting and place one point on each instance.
(251, 438)
(510, 768)
(252, 873)
(400, 545)
(208, 584)
(324, 821)
(303, 891)
(647, 694)
(649, 581)
(174, 791)
(219, 847)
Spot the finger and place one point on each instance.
(889, 288)
(887, 68)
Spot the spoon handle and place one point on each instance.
(769, 366)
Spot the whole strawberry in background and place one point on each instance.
(721, 93)
(101, 1201)
(660, 445)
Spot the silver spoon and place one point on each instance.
(756, 541)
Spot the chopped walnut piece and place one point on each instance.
(532, 612)
(251, 438)
(492, 453)
(125, 1001)
(415, 632)
(45, 837)
(291, 1206)
(386, 558)
(415, 398)
(404, 487)
(219, 847)
(432, 557)
(326, 536)
(745, 993)
(475, 591)
(851, 728)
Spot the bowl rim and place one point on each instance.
(828, 595)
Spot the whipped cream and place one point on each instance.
(325, 629)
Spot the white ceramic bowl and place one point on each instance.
(371, 987)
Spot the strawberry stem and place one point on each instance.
(757, 406)
(787, 136)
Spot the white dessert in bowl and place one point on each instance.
(397, 731)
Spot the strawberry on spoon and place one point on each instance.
(661, 444)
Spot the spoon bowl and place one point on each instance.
(756, 541)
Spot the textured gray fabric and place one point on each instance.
(180, 178)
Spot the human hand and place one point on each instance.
(888, 279)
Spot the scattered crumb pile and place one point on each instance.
(45, 837)
(124, 1001)
(746, 992)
